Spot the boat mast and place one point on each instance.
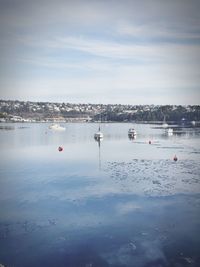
(100, 118)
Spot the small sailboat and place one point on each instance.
(56, 127)
(132, 132)
(98, 135)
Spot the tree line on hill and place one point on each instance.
(110, 112)
(160, 114)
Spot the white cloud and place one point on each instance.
(120, 49)
(162, 84)
(148, 32)
(100, 49)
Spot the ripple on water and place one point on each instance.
(156, 177)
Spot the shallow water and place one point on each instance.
(116, 203)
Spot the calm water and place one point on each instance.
(118, 203)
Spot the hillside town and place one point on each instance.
(27, 111)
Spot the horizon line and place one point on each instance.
(84, 103)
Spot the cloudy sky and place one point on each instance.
(105, 51)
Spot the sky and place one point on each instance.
(105, 51)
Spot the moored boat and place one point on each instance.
(132, 132)
(57, 127)
(98, 135)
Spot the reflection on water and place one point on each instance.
(113, 202)
(156, 177)
(7, 127)
(99, 141)
(132, 137)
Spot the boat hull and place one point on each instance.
(98, 136)
(132, 133)
(57, 128)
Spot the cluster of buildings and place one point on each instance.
(27, 111)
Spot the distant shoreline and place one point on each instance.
(197, 123)
(22, 111)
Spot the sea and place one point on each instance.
(118, 202)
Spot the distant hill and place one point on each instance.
(47, 111)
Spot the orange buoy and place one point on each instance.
(175, 158)
(60, 149)
(150, 142)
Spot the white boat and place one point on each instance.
(132, 132)
(98, 135)
(170, 131)
(56, 127)
(165, 125)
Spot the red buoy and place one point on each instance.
(175, 158)
(60, 149)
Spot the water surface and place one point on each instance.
(121, 202)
